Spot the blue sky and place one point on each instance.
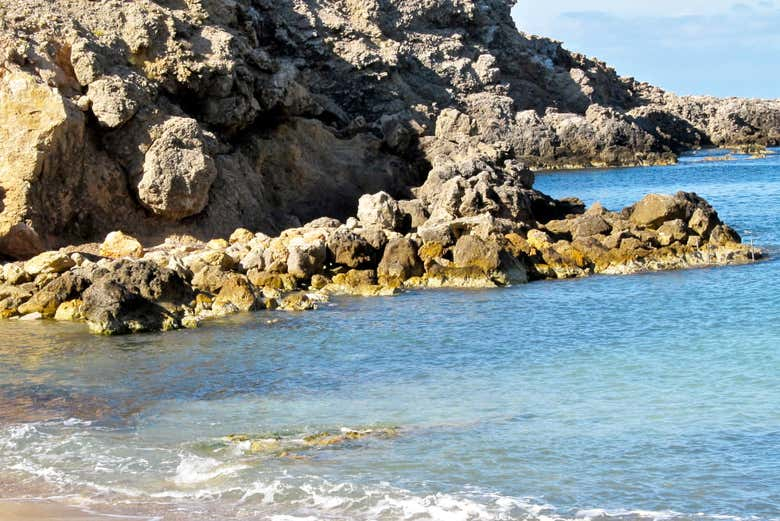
(723, 48)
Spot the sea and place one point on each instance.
(614, 398)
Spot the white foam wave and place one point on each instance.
(193, 470)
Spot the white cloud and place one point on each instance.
(691, 47)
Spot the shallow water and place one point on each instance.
(644, 397)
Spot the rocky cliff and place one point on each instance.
(201, 116)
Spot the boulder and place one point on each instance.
(723, 235)
(132, 296)
(111, 309)
(241, 236)
(473, 252)
(237, 291)
(655, 209)
(117, 245)
(703, 221)
(399, 262)
(210, 279)
(347, 248)
(672, 231)
(49, 262)
(298, 301)
(177, 172)
(47, 300)
(380, 210)
(588, 225)
(274, 281)
(116, 99)
(69, 311)
(305, 258)
(14, 273)
(253, 260)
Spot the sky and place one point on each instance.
(715, 47)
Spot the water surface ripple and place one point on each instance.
(629, 398)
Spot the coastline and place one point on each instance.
(454, 235)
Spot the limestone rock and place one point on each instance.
(49, 262)
(134, 296)
(399, 262)
(50, 297)
(471, 251)
(117, 245)
(305, 258)
(379, 210)
(177, 172)
(237, 291)
(589, 225)
(69, 311)
(348, 248)
(297, 302)
(116, 99)
(39, 130)
(672, 231)
(655, 209)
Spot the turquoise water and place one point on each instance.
(628, 398)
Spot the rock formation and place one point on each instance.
(162, 117)
(403, 132)
(184, 281)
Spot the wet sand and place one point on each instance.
(49, 511)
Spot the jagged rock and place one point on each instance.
(703, 221)
(379, 210)
(447, 91)
(178, 171)
(254, 260)
(39, 131)
(472, 252)
(655, 209)
(116, 99)
(49, 262)
(589, 225)
(48, 299)
(117, 245)
(111, 308)
(723, 235)
(672, 231)
(399, 262)
(14, 273)
(134, 296)
(347, 248)
(305, 258)
(415, 212)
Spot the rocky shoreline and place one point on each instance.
(200, 117)
(180, 121)
(444, 238)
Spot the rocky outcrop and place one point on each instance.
(184, 281)
(165, 118)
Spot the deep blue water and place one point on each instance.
(652, 396)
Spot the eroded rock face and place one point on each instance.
(163, 118)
